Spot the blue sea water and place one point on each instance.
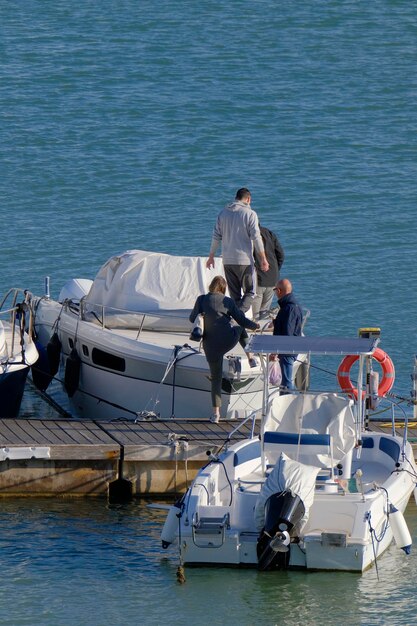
(130, 124)
(67, 563)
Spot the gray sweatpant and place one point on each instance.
(241, 278)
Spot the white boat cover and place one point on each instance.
(11, 348)
(314, 413)
(287, 475)
(151, 282)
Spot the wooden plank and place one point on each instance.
(66, 440)
(88, 439)
(52, 432)
(15, 432)
(164, 453)
(71, 432)
(201, 436)
(85, 453)
(86, 432)
(74, 432)
(9, 437)
(129, 433)
(32, 431)
(158, 431)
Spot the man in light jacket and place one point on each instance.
(237, 230)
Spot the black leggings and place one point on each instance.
(216, 371)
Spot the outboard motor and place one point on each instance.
(283, 512)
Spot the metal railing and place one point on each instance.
(111, 317)
(18, 314)
(252, 417)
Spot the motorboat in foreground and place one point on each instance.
(123, 348)
(17, 353)
(316, 489)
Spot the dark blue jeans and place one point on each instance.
(286, 362)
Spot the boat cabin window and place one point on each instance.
(85, 350)
(105, 359)
(70, 343)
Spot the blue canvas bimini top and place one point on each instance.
(283, 344)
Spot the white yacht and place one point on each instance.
(315, 488)
(120, 344)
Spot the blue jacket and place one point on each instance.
(289, 317)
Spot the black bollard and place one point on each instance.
(120, 490)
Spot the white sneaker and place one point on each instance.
(214, 419)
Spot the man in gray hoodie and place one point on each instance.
(237, 230)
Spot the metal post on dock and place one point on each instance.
(47, 292)
(414, 390)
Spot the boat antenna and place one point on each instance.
(47, 291)
(414, 390)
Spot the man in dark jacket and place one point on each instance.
(287, 322)
(267, 280)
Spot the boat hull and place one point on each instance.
(17, 354)
(12, 385)
(337, 535)
(105, 395)
(127, 374)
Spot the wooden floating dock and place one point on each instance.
(70, 457)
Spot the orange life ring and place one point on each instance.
(387, 380)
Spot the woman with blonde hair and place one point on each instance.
(220, 335)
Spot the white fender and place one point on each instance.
(170, 529)
(400, 529)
